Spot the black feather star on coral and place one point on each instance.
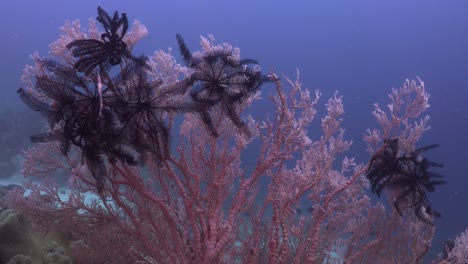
(80, 115)
(112, 119)
(408, 175)
(77, 116)
(109, 50)
(219, 79)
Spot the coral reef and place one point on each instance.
(193, 199)
(20, 243)
(52, 253)
(14, 236)
(20, 259)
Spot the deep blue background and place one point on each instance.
(361, 48)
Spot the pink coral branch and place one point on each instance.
(201, 204)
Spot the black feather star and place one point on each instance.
(111, 120)
(141, 108)
(107, 52)
(85, 112)
(219, 79)
(408, 175)
(78, 115)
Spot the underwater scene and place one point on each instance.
(234, 132)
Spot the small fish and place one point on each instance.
(309, 210)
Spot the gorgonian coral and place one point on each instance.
(124, 117)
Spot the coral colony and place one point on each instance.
(161, 146)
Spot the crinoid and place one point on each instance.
(219, 78)
(383, 165)
(106, 52)
(108, 120)
(77, 115)
(408, 175)
(142, 107)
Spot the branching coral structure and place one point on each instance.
(164, 167)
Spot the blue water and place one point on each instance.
(361, 48)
